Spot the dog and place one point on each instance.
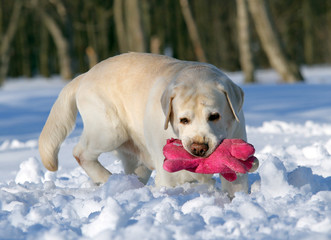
(132, 103)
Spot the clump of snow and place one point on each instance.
(119, 183)
(30, 171)
(112, 217)
(274, 178)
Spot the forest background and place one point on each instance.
(48, 37)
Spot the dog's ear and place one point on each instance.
(233, 93)
(166, 102)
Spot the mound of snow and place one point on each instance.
(15, 144)
(284, 204)
(307, 130)
(274, 179)
(30, 171)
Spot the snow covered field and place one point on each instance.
(289, 125)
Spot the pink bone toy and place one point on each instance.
(230, 157)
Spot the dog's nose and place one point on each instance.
(199, 149)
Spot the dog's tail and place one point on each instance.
(59, 125)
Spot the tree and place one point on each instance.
(270, 41)
(328, 23)
(120, 26)
(7, 38)
(193, 31)
(129, 26)
(244, 41)
(308, 31)
(60, 41)
(66, 37)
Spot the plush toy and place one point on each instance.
(230, 157)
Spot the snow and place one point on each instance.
(289, 125)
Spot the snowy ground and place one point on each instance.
(290, 126)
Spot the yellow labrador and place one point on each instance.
(132, 103)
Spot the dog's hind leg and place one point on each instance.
(103, 132)
(91, 165)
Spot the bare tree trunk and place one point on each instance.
(25, 52)
(328, 23)
(129, 27)
(135, 31)
(308, 32)
(271, 43)
(193, 31)
(103, 31)
(7, 39)
(91, 50)
(60, 42)
(155, 45)
(1, 19)
(92, 56)
(120, 26)
(43, 53)
(244, 40)
(60, 9)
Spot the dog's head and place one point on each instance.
(201, 104)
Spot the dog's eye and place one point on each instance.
(184, 121)
(214, 117)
